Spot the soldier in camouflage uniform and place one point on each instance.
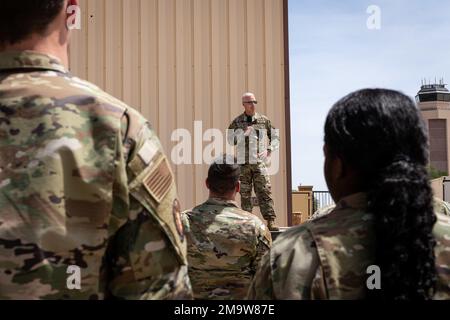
(253, 127)
(389, 222)
(225, 243)
(88, 203)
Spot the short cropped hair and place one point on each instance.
(21, 18)
(223, 175)
(247, 95)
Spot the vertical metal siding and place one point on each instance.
(178, 61)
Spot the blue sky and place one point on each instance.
(332, 53)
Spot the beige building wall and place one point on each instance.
(437, 110)
(180, 61)
(438, 187)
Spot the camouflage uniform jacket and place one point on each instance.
(441, 207)
(306, 262)
(254, 146)
(88, 205)
(225, 245)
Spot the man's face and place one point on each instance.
(249, 103)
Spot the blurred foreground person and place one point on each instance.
(376, 156)
(225, 243)
(88, 203)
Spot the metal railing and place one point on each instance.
(446, 190)
(321, 199)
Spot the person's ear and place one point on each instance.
(207, 183)
(334, 166)
(338, 167)
(238, 187)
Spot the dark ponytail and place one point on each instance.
(381, 134)
(404, 220)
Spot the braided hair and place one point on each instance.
(381, 134)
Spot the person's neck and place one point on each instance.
(347, 192)
(49, 45)
(224, 197)
(250, 115)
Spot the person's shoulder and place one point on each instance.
(441, 233)
(322, 212)
(333, 220)
(88, 89)
(197, 216)
(201, 208)
(442, 225)
(291, 254)
(239, 118)
(106, 101)
(343, 228)
(340, 218)
(262, 117)
(238, 214)
(286, 241)
(441, 206)
(242, 224)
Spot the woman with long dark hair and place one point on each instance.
(382, 240)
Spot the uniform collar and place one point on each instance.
(222, 202)
(256, 116)
(14, 60)
(355, 201)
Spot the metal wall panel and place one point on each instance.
(180, 61)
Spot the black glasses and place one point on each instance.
(250, 102)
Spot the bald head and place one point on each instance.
(248, 96)
(249, 102)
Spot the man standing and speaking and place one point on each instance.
(248, 132)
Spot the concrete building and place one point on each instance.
(434, 103)
(182, 61)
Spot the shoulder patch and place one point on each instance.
(148, 152)
(159, 180)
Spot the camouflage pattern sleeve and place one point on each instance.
(261, 287)
(442, 253)
(146, 256)
(274, 137)
(290, 270)
(441, 207)
(322, 212)
(88, 203)
(264, 242)
(231, 137)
